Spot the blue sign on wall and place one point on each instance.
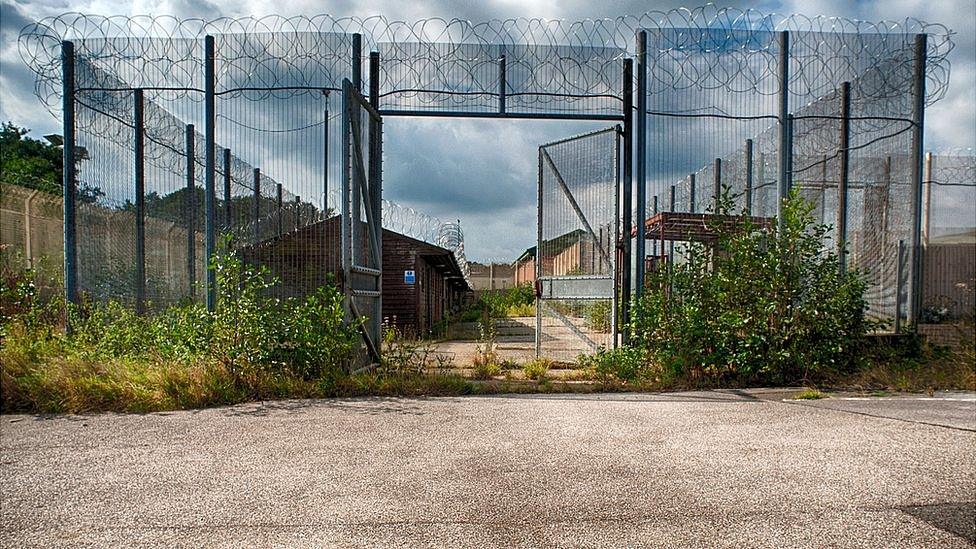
(409, 277)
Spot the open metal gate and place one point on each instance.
(362, 200)
(578, 228)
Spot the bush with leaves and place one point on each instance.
(759, 305)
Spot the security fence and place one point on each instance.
(236, 126)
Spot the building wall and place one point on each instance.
(950, 277)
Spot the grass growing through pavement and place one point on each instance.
(809, 394)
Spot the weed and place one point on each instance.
(537, 369)
(809, 394)
(486, 370)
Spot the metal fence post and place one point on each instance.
(843, 176)
(641, 143)
(325, 158)
(717, 186)
(784, 133)
(899, 282)
(918, 118)
(671, 205)
(374, 79)
(537, 267)
(502, 83)
(691, 198)
(653, 213)
(929, 166)
(210, 115)
(628, 145)
(256, 207)
(227, 180)
(69, 174)
(357, 61)
(190, 208)
(280, 201)
(139, 173)
(748, 176)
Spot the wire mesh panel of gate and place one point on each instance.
(716, 120)
(576, 251)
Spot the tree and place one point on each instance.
(36, 164)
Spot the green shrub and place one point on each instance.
(760, 305)
(624, 364)
(598, 316)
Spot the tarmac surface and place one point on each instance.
(721, 468)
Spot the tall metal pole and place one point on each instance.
(325, 158)
(357, 61)
(628, 107)
(281, 214)
(748, 176)
(843, 176)
(538, 264)
(190, 209)
(210, 199)
(784, 133)
(929, 166)
(691, 199)
(256, 206)
(227, 181)
(918, 118)
(374, 79)
(502, 83)
(653, 213)
(717, 186)
(139, 173)
(671, 205)
(69, 174)
(641, 143)
(899, 282)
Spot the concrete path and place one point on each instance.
(736, 468)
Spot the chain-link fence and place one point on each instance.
(761, 93)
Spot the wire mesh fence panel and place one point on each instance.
(576, 250)
(949, 273)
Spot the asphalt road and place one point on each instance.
(688, 469)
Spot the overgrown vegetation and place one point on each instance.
(758, 305)
(254, 346)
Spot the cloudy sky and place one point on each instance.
(489, 181)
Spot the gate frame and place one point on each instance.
(362, 184)
(611, 256)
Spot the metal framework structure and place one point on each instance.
(226, 124)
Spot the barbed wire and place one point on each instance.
(552, 65)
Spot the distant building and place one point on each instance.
(422, 282)
(566, 254)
